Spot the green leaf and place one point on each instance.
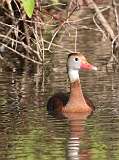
(28, 7)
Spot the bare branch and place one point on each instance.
(23, 56)
(101, 18)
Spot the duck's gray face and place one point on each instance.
(76, 62)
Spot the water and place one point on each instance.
(28, 132)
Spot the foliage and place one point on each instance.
(52, 21)
(28, 7)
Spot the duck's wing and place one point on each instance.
(89, 102)
(57, 101)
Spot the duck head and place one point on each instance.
(75, 63)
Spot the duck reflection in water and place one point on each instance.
(75, 106)
(77, 135)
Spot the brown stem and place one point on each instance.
(91, 4)
(116, 17)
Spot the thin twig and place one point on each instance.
(37, 42)
(23, 56)
(21, 43)
(59, 28)
(54, 4)
(100, 29)
(76, 40)
(88, 28)
(54, 35)
(59, 46)
(43, 47)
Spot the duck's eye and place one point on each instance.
(76, 59)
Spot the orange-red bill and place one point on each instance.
(88, 66)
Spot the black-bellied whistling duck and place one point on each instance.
(74, 102)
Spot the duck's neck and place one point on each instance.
(73, 75)
(76, 94)
(76, 101)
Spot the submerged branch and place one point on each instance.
(101, 18)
